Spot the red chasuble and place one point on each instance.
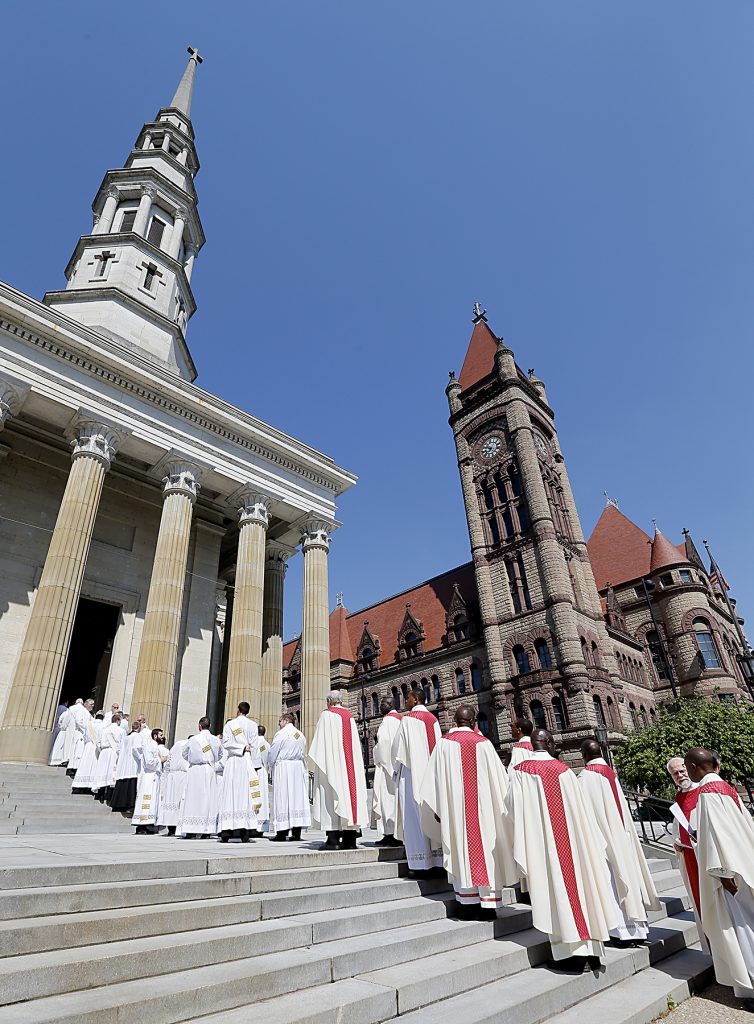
(549, 773)
(723, 788)
(468, 742)
(687, 802)
(345, 721)
(429, 721)
(607, 773)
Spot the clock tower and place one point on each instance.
(547, 646)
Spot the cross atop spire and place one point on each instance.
(610, 501)
(479, 314)
(182, 99)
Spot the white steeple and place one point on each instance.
(130, 276)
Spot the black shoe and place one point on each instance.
(141, 830)
(388, 841)
(171, 830)
(279, 837)
(485, 914)
(333, 841)
(296, 835)
(571, 965)
(225, 836)
(460, 911)
(349, 841)
(437, 873)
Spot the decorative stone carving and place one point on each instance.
(252, 507)
(182, 477)
(12, 396)
(94, 438)
(316, 534)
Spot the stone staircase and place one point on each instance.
(37, 799)
(215, 934)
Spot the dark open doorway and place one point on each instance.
(88, 664)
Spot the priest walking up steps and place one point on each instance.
(340, 794)
(385, 794)
(240, 799)
(414, 743)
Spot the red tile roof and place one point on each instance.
(340, 642)
(664, 553)
(620, 551)
(480, 356)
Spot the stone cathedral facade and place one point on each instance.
(540, 623)
(130, 497)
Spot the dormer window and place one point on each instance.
(412, 645)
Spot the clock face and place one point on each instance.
(491, 448)
(541, 445)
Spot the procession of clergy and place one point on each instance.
(567, 841)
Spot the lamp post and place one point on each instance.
(601, 736)
(364, 729)
(746, 661)
(649, 588)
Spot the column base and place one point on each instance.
(22, 743)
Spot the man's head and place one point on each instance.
(116, 718)
(243, 708)
(522, 727)
(100, 715)
(465, 716)
(286, 720)
(414, 698)
(589, 750)
(203, 723)
(89, 705)
(677, 772)
(334, 699)
(541, 739)
(699, 762)
(141, 719)
(158, 735)
(261, 730)
(80, 700)
(386, 706)
(114, 708)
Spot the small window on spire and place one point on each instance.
(151, 276)
(127, 220)
(156, 231)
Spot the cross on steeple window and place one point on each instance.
(151, 276)
(104, 262)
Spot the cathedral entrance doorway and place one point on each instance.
(88, 664)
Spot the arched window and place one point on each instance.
(706, 644)
(653, 715)
(436, 688)
(543, 653)
(611, 716)
(425, 691)
(404, 694)
(653, 643)
(538, 714)
(634, 716)
(522, 660)
(460, 681)
(585, 651)
(461, 627)
(375, 705)
(367, 658)
(599, 711)
(414, 685)
(396, 698)
(411, 644)
(643, 716)
(476, 678)
(595, 654)
(557, 714)
(484, 723)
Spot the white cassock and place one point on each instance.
(108, 743)
(725, 849)
(198, 814)
(58, 747)
(465, 786)
(86, 771)
(561, 855)
(631, 879)
(259, 765)
(340, 792)
(385, 794)
(219, 779)
(414, 742)
(241, 794)
(290, 780)
(151, 757)
(127, 770)
(521, 751)
(172, 785)
(73, 737)
(83, 717)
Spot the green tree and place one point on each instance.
(723, 726)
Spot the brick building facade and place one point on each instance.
(540, 622)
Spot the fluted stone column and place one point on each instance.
(158, 653)
(176, 237)
(148, 196)
(275, 567)
(27, 725)
(315, 628)
(105, 223)
(245, 656)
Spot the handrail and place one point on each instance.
(651, 814)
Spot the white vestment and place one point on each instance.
(522, 750)
(172, 785)
(58, 747)
(83, 717)
(151, 756)
(561, 854)
(340, 795)
(290, 780)
(631, 879)
(74, 738)
(198, 814)
(241, 792)
(86, 771)
(108, 743)
(411, 752)
(465, 786)
(128, 756)
(725, 849)
(385, 791)
(260, 767)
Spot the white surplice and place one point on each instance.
(129, 764)
(725, 849)
(241, 792)
(290, 780)
(83, 717)
(108, 744)
(522, 750)
(333, 808)
(58, 747)
(73, 738)
(86, 771)
(465, 786)
(385, 792)
(260, 767)
(198, 813)
(152, 756)
(172, 785)
(571, 899)
(411, 756)
(631, 879)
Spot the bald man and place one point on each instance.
(723, 833)
(633, 888)
(561, 853)
(521, 730)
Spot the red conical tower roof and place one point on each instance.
(480, 355)
(340, 642)
(618, 549)
(663, 553)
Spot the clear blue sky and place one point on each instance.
(585, 169)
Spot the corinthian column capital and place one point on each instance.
(276, 557)
(12, 396)
(316, 534)
(251, 506)
(92, 437)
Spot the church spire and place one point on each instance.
(185, 90)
